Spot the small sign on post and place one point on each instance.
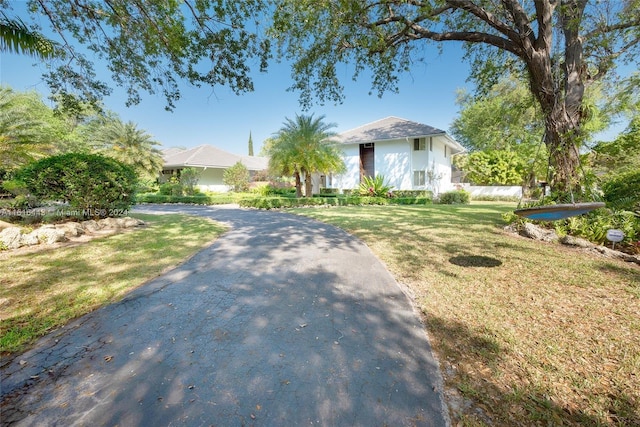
(615, 236)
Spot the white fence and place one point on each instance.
(490, 190)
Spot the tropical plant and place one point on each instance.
(237, 177)
(27, 129)
(303, 147)
(130, 145)
(375, 187)
(16, 37)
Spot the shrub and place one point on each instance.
(237, 177)
(456, 197)
(95, 184)
(189, 177)
(594, 226)
(623, 192)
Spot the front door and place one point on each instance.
(367, 161)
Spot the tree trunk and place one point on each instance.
(298, 185)
(307, 184)
(559, 88)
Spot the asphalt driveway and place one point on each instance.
(283, 321)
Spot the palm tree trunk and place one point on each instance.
(298, 185)
(307, 184)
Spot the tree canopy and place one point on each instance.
(561, 46)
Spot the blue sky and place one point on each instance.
(218, 117)
(221, 118)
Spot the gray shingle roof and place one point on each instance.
(387, 129)
(211, 157)
(393, 128)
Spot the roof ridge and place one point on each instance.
(195, 150)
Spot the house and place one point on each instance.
(410, 155)
(211, 161)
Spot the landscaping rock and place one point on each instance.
(30, 239)
(71, 229)
(129, 222)
(11, 237)
(576, 241)
(49, 235)
(111, 223)
(532, 231)
(91, 226)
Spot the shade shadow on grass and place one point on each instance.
(475, 261)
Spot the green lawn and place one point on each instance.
(44, 290)
(532, 333)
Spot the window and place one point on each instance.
(430, 144)
(445, 151)
(418, 178)
(418, 144)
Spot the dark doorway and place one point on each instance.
(367, 161)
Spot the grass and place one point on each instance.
(44, 290)
(531, 333)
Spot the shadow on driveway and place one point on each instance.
(282, 321)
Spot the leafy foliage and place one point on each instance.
(16, 37)
(237, 177)
(623, 191)
(375, 187)
(151, 44)
(88, 182)
(619, 156)
(456, 197)
(128, 144)
(27, 128)
(493, 167)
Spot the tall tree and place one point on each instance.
(150, 45)
(562, 46)
(250, 144)
(28, 129)
(303, 147)
(130, 145)
(621, 155)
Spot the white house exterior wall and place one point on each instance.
(393, 161)
(351, 178)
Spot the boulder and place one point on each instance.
(10, 238)
(49, 235)
(111, 223)
(576, 241)
(29, 240)
(91, 226)
(71, 229)
(128, 222)
(532, 231)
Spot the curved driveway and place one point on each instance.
(283, 321)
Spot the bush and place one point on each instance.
(594, 226)
(623, 192)
(237, 177)
(456, 197)
(95, 184)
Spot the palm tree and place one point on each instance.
(15, 37)
(130, 145)
(302, 147)
(25, 135)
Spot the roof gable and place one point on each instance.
(387, 129)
